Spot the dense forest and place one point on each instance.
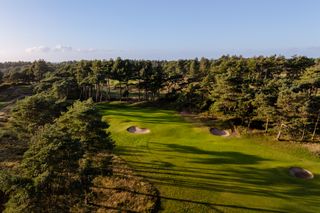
(277, 94)
(64, 145)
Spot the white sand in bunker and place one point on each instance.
(137, 130)
(219, 132)
(300, 173)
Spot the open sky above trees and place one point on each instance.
(78, 29)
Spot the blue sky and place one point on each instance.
(58, 30)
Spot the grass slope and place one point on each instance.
(198, 172)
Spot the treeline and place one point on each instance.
(278, 94)
(63, 139)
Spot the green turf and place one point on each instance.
(198, 172)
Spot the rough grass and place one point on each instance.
(2, 104)
(195, 171)
(122, 191)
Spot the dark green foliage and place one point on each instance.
(84, 124)
(231, 87)
(52, 163)
(60, 83)
(57, 169)
(39, 68)
(17, 193)
(33, 112)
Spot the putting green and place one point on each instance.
(195, 171)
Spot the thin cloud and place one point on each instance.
(63, 48)
(90, 50)
(94, 50)
(42, 49)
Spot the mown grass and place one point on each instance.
(198, 172)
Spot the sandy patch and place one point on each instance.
(219, 132)
(137, 130)
(300, 173)
(184, 112)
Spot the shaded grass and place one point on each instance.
(2, 105)
(198, 172)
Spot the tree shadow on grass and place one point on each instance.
(159, 119)
(150, 115)
(244, 178)
(213, 206)
(187, 182)
(125, 151)
(267, 183)
(213, 157)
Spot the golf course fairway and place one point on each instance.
(196, 171)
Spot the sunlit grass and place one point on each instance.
(198, 172)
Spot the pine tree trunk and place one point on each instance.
(88, 92)
(315, 127)
(101, 93)
(267, 126)
(279, 133)
(106, 90)
(303, 132)
(139, 90)
(92, 92)
(248, 127)
(109, 89)
(120, 91)
(97, 92)
(127, 88)
(80, 95)
(146, 95)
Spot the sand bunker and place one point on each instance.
(137, 130)
(184, 112)
(219, 132)
(300, 173)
